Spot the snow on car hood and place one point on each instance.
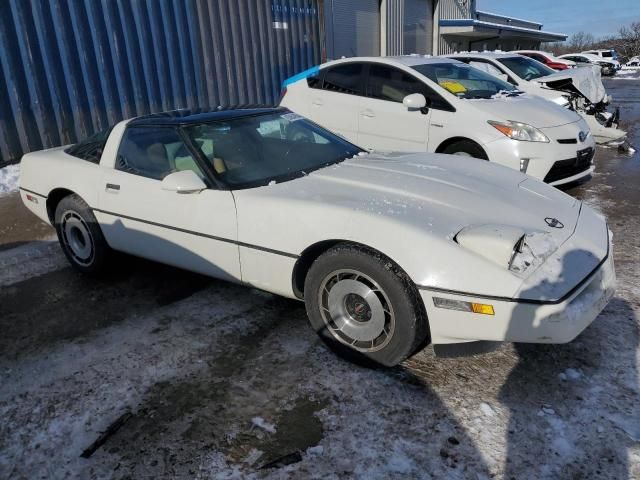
(586, 81)
(441, 193)
(532, 110)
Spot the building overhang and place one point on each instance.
(469, 27)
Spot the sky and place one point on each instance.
(598, 17)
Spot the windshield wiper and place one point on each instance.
(510, 93)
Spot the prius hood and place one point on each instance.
(532, 110)
(584, 81)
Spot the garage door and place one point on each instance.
(352, 28)
(418, 27)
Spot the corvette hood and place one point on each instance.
(585, 81)
(438, 193)
(531, 110)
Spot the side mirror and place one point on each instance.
(186, 181)
(415, 101)
(503, 76)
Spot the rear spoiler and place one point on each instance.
(307, 73)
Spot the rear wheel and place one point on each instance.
(466, 148)
(364, 306)
(80, 236)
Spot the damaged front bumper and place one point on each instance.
(606, 133)
(523, 321)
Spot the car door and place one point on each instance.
(196, 231)
(335, 104)
(385, 123)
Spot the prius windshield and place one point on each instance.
(260, 149)
(464, 81)
(525, 67)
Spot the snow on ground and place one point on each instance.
(9, 178)
(626, 74)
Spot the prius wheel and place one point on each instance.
(466, 148)
(364, 306)
(80, 236)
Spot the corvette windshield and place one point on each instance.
(526, 67)
(260, 149)
(464, 81)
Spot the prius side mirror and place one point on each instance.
(186, 181)
(416, 101)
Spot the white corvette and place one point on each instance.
(388, 252)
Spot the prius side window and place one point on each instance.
(345, 78)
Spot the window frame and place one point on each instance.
(445, 106)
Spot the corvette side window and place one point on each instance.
(154, 153)
(344, 78)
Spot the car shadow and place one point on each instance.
(565, 411)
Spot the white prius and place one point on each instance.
(388, 252)
(419, 104)
(578, 89)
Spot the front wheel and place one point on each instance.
(80, 235)
(364, 307)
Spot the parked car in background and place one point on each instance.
(548, 59)
(607, 67)
(388, 252)
(422, 104)
(608, 54)
(633, 64)
(578, 89)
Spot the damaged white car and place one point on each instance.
(579, 89)
(388, 252)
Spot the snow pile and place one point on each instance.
(9, 178)
(626, 74)
(263, 424)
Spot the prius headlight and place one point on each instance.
(519, 131)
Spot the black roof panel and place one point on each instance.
(195, 116)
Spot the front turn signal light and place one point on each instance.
(480, 308)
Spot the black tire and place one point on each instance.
(80, 236)
(467, 147)
(410, 331)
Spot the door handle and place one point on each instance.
(113, 187)
(367, 113)
(317, 102)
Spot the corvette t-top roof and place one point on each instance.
(195, 116)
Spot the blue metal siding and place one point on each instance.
(69, 68)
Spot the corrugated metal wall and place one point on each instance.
(394, 27)
(451, 9)
(456, 8)
(69, 68)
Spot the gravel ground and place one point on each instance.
(219, 381)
